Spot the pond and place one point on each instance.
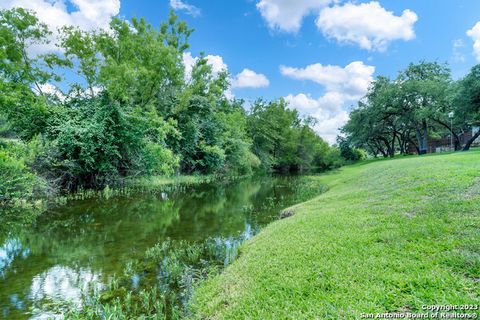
(85, 242)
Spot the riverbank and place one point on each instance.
(23, 211)
(146, 250)
(388, 236)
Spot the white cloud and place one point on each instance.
(327, 110)
(331, 102)
(343, 86)
(50, 89)
(368, 25)
(250, 79)
(188, 8)
(329, 127)
(474, 33)
(245, 79)
(87, 15)
(287, 15)
(216, 62)
(188, 62)
(352, 81)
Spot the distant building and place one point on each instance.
(443, 144)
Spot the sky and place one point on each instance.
(320, 55)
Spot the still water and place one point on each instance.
(85, 242)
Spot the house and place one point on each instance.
(444, 144)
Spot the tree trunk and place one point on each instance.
(380, 149)
(425, 135)
(458, 143)
(422, 137)
(390, 149)
(419, 146)
(469, 142)
(401, 144)
(392, 146)
(416, 147)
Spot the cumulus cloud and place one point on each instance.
(287, 15)
(352, 80)
(216, 62)
(250, 79)
(343, 86)
(330, 103)
(188, 8)
(87, 14)
(245, 79)
(328, 127)
(50, 89)
(328, 110)
(474, 33)
(368, 25)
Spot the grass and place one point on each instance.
(160, 181)
(167, 273)
(388, 236)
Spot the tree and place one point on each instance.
(395, 115)
(376, 124)
(423, 91)
(466, 103)
(23, 73)
(282, 140)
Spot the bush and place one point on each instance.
(159, 160)
(212, 158)
(334, 159)
(239, 159)
(348, 152)
(96, 142)
(16, 181)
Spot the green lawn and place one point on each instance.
(388, 236)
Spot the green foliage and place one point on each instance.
(158, 160)
(22, 75)
(98, 143)
(282, 140)
(17, 183)
(334, 159)
(402, 114)
(466, 105)
(387, 236)
(349, 153)
(15, 180)
(135, 112)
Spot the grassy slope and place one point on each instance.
(388, 236)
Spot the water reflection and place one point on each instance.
(85, 242)
(11, 249)
(62, 283)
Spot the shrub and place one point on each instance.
(334, 159)
(159, 160)
(16, 181)
(96, 142)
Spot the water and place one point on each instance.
(85, 242)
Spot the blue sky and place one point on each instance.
(329, 49)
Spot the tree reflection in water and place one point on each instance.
(85, 242)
